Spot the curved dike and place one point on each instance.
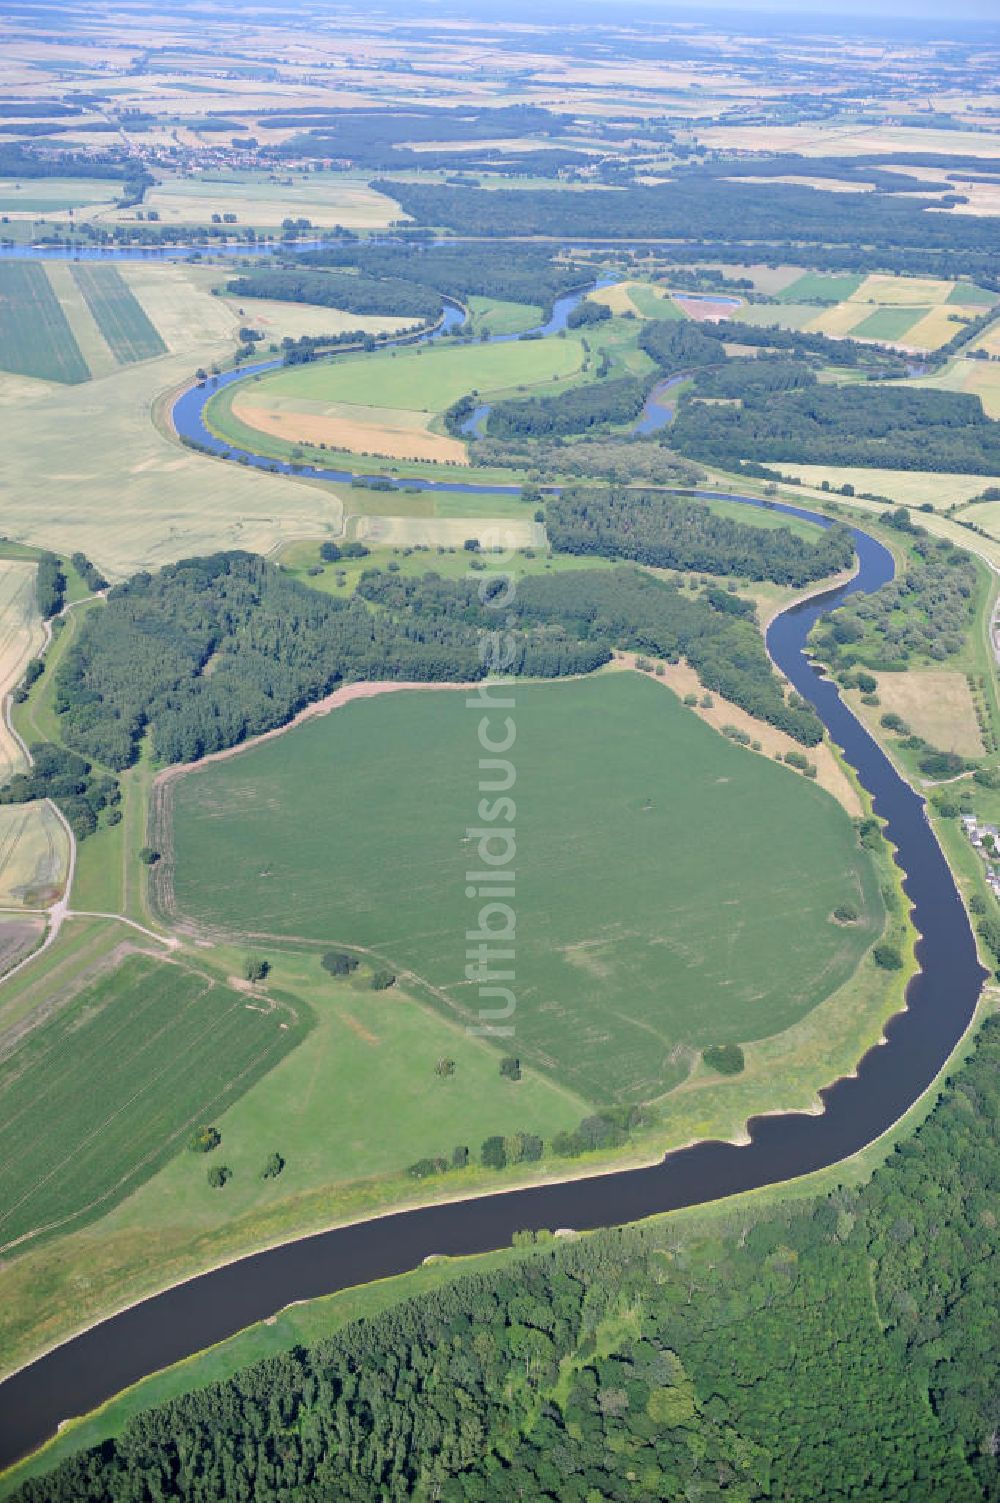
(941, 1000)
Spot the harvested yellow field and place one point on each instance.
(397, 433)
(851, 140)
(989, 339)
(825, 184)
(985, 514)
(937, 705)
(769, 279)
(326, 201)
(276, 320)
(913, 487)
(618, 297)
(448, 532)
(838, 320)
(935, 328)
(178, 301)
(917, 292)
(73, 447)
(22, 636)
(34, 854)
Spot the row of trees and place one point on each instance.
(841, 1348)
(81, 791)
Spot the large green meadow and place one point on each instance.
(672, 891)
(424, 377)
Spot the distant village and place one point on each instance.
(986, 840)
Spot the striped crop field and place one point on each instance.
(120, 316)
(35, 335)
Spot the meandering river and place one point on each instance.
(941, 1000)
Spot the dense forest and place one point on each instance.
(923, 614)
(671, 533)
(211, 651)
(573, 411)
(701, 207)
(622, 608)
(517, 274)
(843, 1348)
(882, 426)
(380, 296)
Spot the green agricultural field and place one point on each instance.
(672, 889)
(652, 302)
(499, 317)
(424, 378)
(53, 195)
(888, 323)
(120, 317)
(107, 1089)
(816, 287)
(35, 337)
(968, 295)
(780, 315)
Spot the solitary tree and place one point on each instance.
(219, 1175)
(255, 969)
(273, 1166)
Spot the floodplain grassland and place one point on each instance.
(620, 970)
(121, 318)
(936, 704)
(108, 1086)
(500, 317)
(35, 337)
(425, 378)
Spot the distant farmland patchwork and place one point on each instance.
(138, 1058)
(353, 830)
(919, 312)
